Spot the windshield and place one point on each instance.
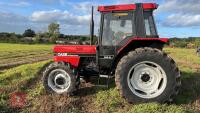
(117, 26)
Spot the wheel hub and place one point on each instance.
(147, 79)
(59, 80)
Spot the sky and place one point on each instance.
(174, 18)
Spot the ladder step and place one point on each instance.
(106, 76)
(103, 76)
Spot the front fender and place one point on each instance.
(73, 60)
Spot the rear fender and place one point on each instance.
(137, 43)
(143, 42)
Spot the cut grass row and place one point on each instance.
(23, 54)
(16, 54)
(16, 77)
(5, 47)
(21, 58)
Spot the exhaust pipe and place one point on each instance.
(92, 26)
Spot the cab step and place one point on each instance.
(107, 77)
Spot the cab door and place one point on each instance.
(116, 27)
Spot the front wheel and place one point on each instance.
(147, 75)
(59, 79)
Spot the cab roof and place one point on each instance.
(126, 7)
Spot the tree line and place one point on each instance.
(51, 36)
(190, 42)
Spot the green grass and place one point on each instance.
(158, 108)
(17, 76)
(189, 65)
(12, 54)
(18, 79)
(183, 54)
(6, 47)
(109, 100)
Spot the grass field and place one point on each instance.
(16, 54)
(91, 99)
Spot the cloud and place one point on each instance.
(12, 18)
(39, 21)
(180, 6)
(11, 22)
(84, 6)
(180, 13)
(182, 20)
(59, 16)
(44, 1)
(62, 2)
(18, 4)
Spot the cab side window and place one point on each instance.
(150, 27)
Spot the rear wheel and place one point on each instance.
(147, 75)
(59, 79)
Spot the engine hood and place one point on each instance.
(75, 49)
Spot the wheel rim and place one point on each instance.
(59, 81)
(147, 79)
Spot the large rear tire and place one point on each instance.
(147, 75)
(59, 79)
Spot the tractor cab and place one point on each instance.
(122, 21)
(121, 24)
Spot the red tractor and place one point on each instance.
(128, 48)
